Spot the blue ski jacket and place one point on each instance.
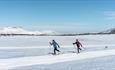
(55, 44)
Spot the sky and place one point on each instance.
(67, 16)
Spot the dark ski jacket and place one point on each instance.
(78, 44)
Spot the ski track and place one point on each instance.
(50, 59)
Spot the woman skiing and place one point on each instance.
(55, 46)
(78, 44)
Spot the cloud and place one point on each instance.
(110, 15)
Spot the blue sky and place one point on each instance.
(68, 16)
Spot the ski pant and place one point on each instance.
(78, 49)
(55, 49)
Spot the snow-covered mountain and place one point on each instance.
(109, 31)
(19, 30)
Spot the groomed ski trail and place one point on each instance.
(50, 59)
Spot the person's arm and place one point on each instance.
(80, 44)
(50, 43)
(57, 44)
(74, 43)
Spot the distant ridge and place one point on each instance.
(19, 31)
(109, 31)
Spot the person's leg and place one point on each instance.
(57, 50)
(54, 50)
(78, 49)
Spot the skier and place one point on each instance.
(55, 46)
(78, 44)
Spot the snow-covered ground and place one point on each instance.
(101, 63)
(31, 53)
